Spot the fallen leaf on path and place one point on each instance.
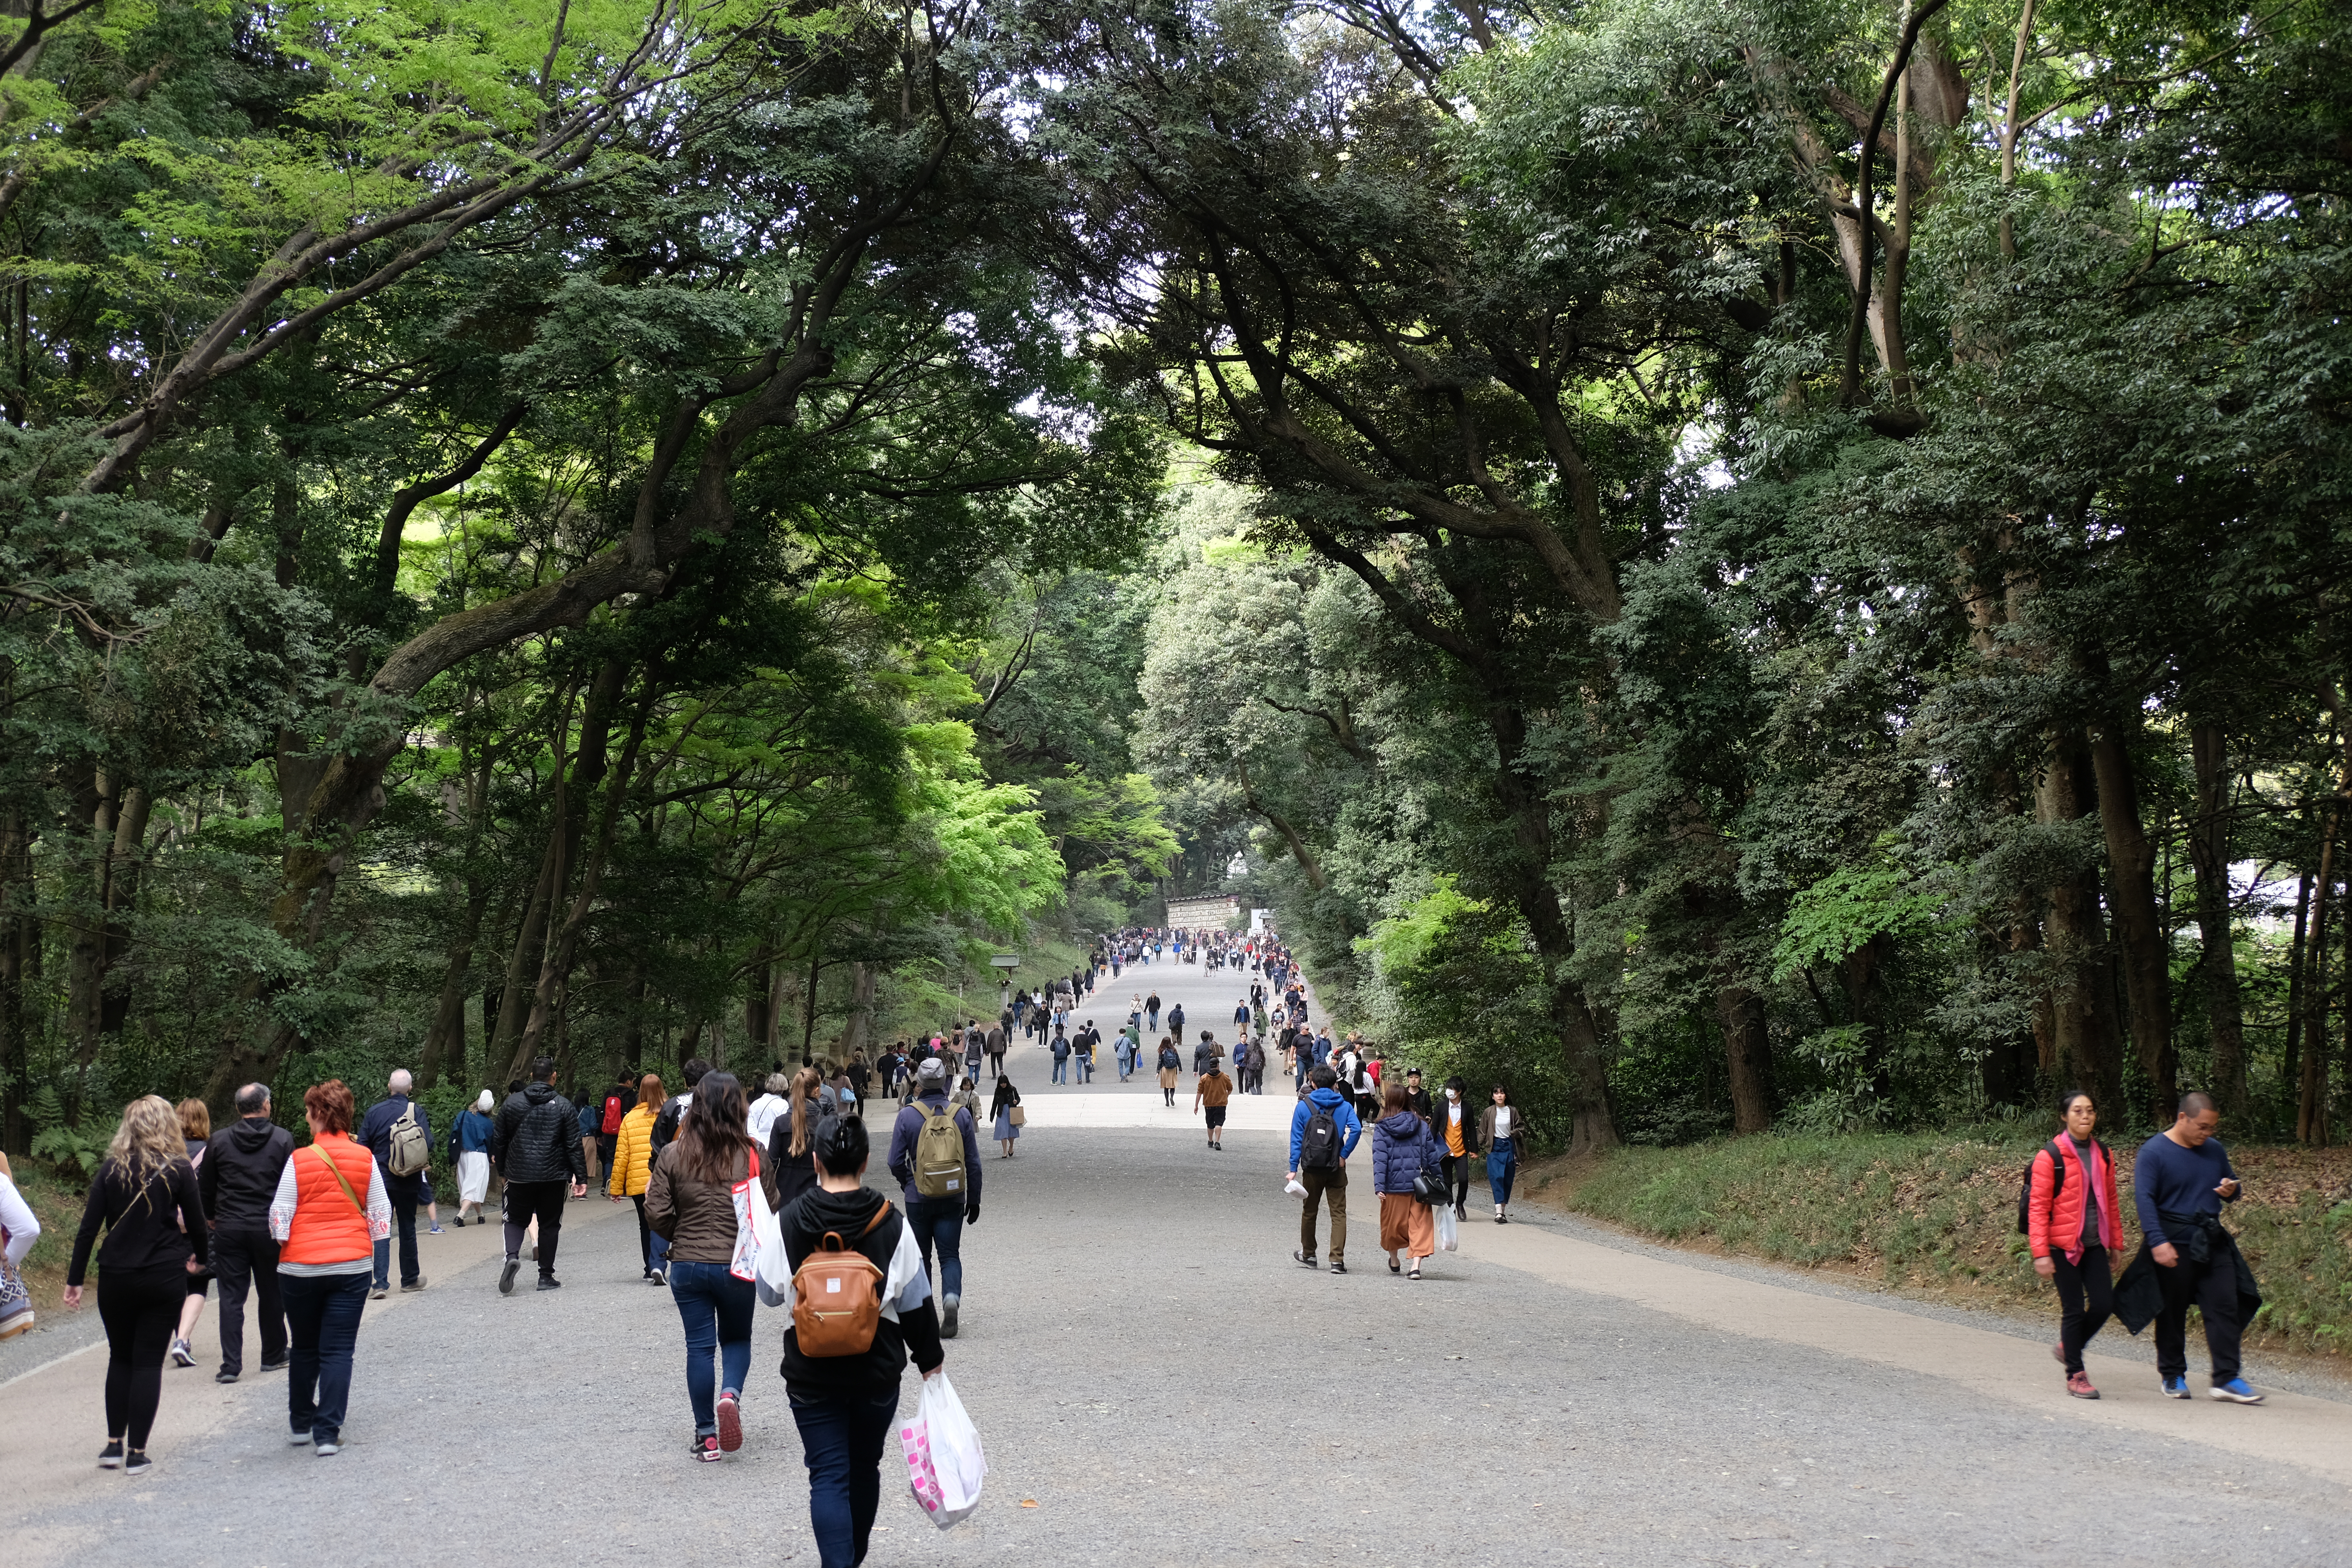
(1031, 1502)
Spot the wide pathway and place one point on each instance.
(1158, 1383)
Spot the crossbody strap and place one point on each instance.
(341, 1180)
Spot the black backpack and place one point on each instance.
(2025, 1187)
(666, 1123)
(1318, 1144)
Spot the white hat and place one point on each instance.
(483, 1104)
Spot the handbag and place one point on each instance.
(1428, 1189)
(1020, 1118)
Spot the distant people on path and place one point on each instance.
(19, 1228)
(2073, 1228)
(1457, 1138)
(1498, 1133)
(1209, 1098)
(690, 1201)
(1176, 1020)
(843, 1389)
(473, 1135)
(993, 1045)
(935, 1157)
(327, 1237)
(1402, 1150)
(1207, 1054)
(774, 1101)
(2179, 1182)
(619, 1099)
(588, 1112)
(243, 1162)
(1416, 1098)
(1151, 1011)
(405, 1189)
(1324, 1132)
(145, 1198)
(1253, 1065)
(536, 1148)
(196, 1129)
(633, 1166)
(1061, 1049)
(1003, 1126)
(1171, 1067)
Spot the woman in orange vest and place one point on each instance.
(330, 1211)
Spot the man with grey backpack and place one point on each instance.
(935, 1154)
(399, 1132)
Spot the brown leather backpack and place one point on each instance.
(838, 1297)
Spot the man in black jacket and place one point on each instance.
(242, 1164)
(536, 1145)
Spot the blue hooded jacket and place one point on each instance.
(1343, 1118)
(1402, 1150)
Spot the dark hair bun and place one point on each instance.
(840, 1144)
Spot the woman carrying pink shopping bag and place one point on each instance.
(861, 1305)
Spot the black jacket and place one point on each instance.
(239, 1177)
(537, 1137)
(2200, 1242)
(917, 1332)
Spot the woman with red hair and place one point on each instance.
(330, 1211)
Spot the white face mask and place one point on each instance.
(1456, 1093)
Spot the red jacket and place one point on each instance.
(2060, 1214)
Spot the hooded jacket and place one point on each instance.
(1402, 1150)
(239, 1177)
(537, 1137)
(917, 1332)
(909, 1127)
(1343, 1120)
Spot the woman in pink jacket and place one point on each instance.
(2074, 1227)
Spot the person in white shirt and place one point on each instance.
(1500, 1130)
(768, 1107)
(22, 1228)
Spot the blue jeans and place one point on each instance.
(322, 1324)
(1502, 1165)
(717, 1310)
(404, 1225)
(940, 1222)
(1062, 1063)
(841, 1440)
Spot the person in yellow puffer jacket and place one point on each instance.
(633, 1161)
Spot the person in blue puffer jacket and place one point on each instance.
(1402, 1150)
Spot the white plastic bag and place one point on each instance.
(944, 1464)
(758, 1228)
(1292, 1187)
(1449, 1230)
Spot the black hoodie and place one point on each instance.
(239, 1175)
(537, 1137)
(917, 1330)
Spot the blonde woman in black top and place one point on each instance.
(146, 1199)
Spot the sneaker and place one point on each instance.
(16, 1322)
(2176, 1388)
(2237, 1391)
(230, 1376)
(110, 1457)
(381, 1291)
(436, 1229)
(948, 1307)
(281, 1365)
(552, 1283)
(299, 1436)
(2079, 1386)
(661, 1274)
(730, 1422)
(407, 1286)
(183, 1354)
(706, 1450)
(513, 1266)
(1308, 1258)
(328, 1449)
(1338, 1267)
(137, 1463)
(460, 1221)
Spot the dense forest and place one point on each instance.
(1733, 563)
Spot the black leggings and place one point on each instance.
(141, 1312)
(645, 1232)
(1456, 1171)
(2086, 1298)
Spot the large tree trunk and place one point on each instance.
(2291, 1054)
(857, 1028)
(2140, 922)
(2310, 1116)
(447, 1035)
(1747, 1051)
(514, 997)
(118, 891)
(2080, 999)
(2208, 854)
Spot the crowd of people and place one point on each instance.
(309, 1234)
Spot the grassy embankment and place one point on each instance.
(1939, 1212)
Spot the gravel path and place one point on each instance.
(1147, 1366)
